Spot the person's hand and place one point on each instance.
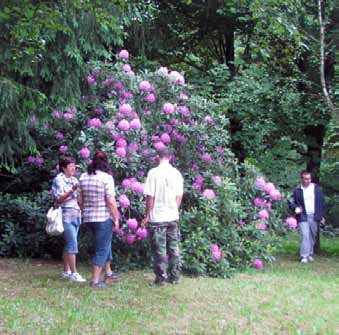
(298, 210)
(74, 187)
(322, 221)
(144, 222)
(115, 225)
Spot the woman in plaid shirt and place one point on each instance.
(100, 213)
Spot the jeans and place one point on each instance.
(71, 229)
(308, 233)
(103, 241)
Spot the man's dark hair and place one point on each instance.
(164, 153)
(64, 161)
(305, 172)
(99, 162)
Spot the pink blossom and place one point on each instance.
(132, 224)
(127, 95)
(206, 158)
(261, 226)
(84, 152)
(131, 74)
(208, 120)
(96, 123)
(121, 152)
(108, 81)
(269, 187)
(116, 137)
(124, 201)
(68, 116)
(57, 114)
(63, 148)
(126, 183)
(59, 135)
(199, 180)
(291, 222)
(127, 67)
(39, 160)
(174, 122)
(220, 149)
(133, 146)
(159, 145)
(217, 180)
(258, 202)
(31, 159)
(109, 125)
(201, 148)
(150, 98)
(195, 166)
(258, 264)
(121, 142)
(137, 187)
(119, 85)
(176, 78)
(241, 223)
(183, 96)
(275, 195)
(214, 247)
(209, 194)
(125, 108)
(184, 110)
(145, 86)
(217, 255)
(263, 214)
(163, 70)
(142, 233)
(123, 125)
(90, 79)
(135, 124)
(147, 112)
(181, 138)
(155, 138)
(84, 98)
(165, 138)
(260, 183)
(130, 238)
(124, 54)
(267, 205)
(121, 233)
(168, 108)
(145, 152)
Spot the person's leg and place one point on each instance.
(304, 239)
(71, 230)
(159, 252)
(67, 268)
(173, 239)
(313, 233)
(103, 243)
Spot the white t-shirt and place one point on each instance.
(309, 198)
(164, 183)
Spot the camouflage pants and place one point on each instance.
(165, 237)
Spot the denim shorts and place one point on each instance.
(103, 241)
(71, 229)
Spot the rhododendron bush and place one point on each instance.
(229, 219)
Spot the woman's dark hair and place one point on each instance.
(64, 161)
(99, 162)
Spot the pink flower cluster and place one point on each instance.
(258, 264)
(291, 222)
(35, 160)
(216, 252)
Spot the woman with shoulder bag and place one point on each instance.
(65, 191)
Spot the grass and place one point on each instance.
(286, 298)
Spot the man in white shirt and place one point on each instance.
(309, 206)
(164, 191)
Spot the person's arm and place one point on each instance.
(67, 194)
(113, 209)
(80, 201)
(323, 205)
(149, 207)
(178, 200)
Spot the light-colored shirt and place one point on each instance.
(308, 193)
(164, 183)
(95, 190)
(70, 208)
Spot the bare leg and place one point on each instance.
(108, 269)
(96, 271)
(67, 267)
(72, 262)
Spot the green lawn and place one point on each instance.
(286, 298)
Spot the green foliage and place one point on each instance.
(44, 52)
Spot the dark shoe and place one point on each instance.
(101, 284)
(112, 278)
(159, 282)
(174, 282)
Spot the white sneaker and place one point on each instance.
(310, 259)
(66, 275)
(304, 260)
(76, 277)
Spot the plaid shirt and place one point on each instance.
(95, 190)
